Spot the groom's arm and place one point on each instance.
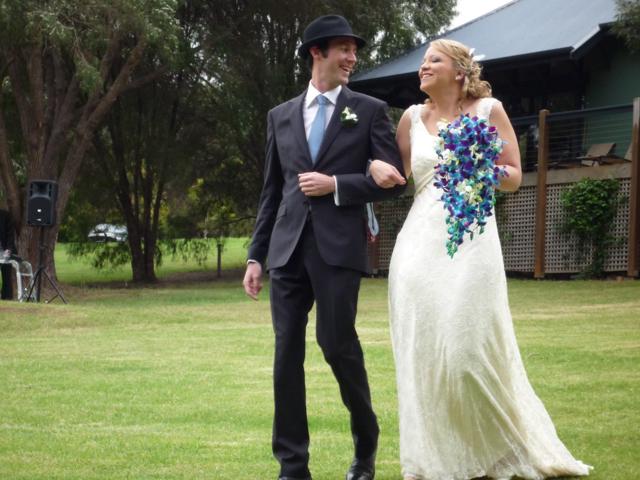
(269, 198)
(358, 188)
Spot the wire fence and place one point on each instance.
(578, 138)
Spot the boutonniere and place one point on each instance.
(348, 117)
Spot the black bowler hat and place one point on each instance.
(327, 26)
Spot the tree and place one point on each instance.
(236, 60)
(252, 63)
(143, 146)
(627, 23)
(63, 65)
(149, 138)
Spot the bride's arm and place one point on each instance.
(386, 175)
(510, 156)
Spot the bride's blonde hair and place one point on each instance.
(472, 86)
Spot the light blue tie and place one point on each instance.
(317, 127)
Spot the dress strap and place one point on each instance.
(485, 106)
(415, 113)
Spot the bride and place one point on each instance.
(467, 409)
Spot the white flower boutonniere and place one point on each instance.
(348, 117)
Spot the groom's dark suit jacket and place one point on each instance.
(340, 231)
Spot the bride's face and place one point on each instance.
(437, 70)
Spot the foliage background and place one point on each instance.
(165, 105)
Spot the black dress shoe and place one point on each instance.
(362, 470)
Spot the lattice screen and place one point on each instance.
(516, 223)
(391, 215)
(559, 250)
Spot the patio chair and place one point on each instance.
(596, 154)
(611, 159)
(24, 275)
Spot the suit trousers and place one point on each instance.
(294, 287)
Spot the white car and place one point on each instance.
(106, 232)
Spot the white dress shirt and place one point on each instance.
(311, 106)
(311, 109)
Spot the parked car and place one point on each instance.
(106, 232)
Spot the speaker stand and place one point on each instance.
(36, 281)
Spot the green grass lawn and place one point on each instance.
(174, 381)
(78, 271)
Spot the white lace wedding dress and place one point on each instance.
(466, 406)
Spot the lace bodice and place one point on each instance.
(423, 143)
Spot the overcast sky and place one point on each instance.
(470, 9)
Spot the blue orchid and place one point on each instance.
(467, 175)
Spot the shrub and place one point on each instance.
(590, 208)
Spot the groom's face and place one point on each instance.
(335, 67)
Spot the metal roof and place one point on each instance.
(518, 29)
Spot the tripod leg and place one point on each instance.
(41, 248)
(34, 280)
(55, 287)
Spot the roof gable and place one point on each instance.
(517, 29)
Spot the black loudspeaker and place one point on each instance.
(41, 203)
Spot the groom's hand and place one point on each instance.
(314, 184)
(385, 175)
(253, 280)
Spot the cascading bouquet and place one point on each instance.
(467, 175)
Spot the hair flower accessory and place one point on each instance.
(348, 117)
(476, 58)
(467, 175)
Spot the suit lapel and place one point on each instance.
(344, 99)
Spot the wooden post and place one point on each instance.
(541, 194)
(633, 265)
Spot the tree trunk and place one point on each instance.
(139, 268)
(150, 266)
(8, 177)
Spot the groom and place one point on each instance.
(311, 226)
